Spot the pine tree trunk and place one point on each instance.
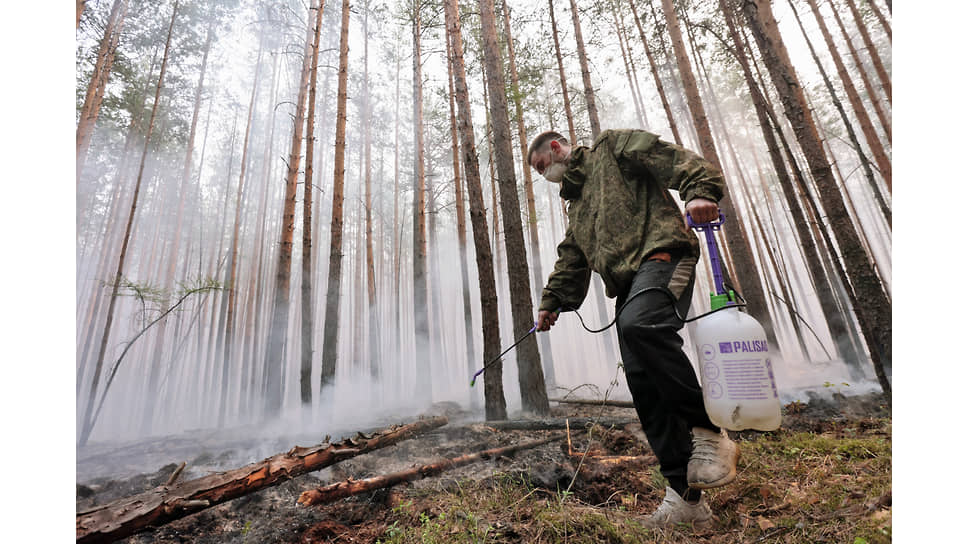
(495, 407)
(586, 76)
(880, 18)
(333, 295)
(275, 355)
(628, 70)
(882, 74)
(655, 77)
(822, 287)
(872, 93)
(865, 163)
(306, 277)
(424, 379)
(88, 421)
(534, 398)
(537, 275)
(373, 334)
(397, 286)
(99, 79)
(880, 157)
(608, 342)
(80, 10)
(875, 314)
(768, 261)
(459, 202)
(169, 278)
(260, 271)
(676, 92)
(572, 136)
(737, 242)
(112, 234)
(230, 351)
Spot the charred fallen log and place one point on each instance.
(554, 424)
(124, 517)
(339, 490)
(593, 402)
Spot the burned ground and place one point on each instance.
(824, 475)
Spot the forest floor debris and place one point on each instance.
(825, 475)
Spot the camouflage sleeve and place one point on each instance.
(568, 283)
(673, 165)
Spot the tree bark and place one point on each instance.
(459, 201)
(333, 295)
(88, 422)
(875, 314)
(99, 79)
(163, 504)
(593, 402)
(397, 242)
(227, 342)
(534, 397)
(306, 278)
(339, 490)
(572, 136)
(872, 93)
(373, 330)
(880, 18)
(880, 157)
(812, 258)
(608, 343)
(656, 78)
(275, 355)
(169, 279)
(639, 112)
(882, 74)
(586, 76)
(737, 242)
(548, 364)
(495, 407)
(865, 163)
(424, 383)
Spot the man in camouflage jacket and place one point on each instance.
(624, 224)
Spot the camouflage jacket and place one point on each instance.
(620, 210)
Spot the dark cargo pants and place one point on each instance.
(664, 387)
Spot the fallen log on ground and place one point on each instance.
(592, 402)
(124, 517)
(555, 424)
(339, 490)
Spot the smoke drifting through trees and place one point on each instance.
(202, 183)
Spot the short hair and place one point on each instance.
(543, 139)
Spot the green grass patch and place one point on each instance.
(792, 487)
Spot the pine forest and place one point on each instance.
(299, 219)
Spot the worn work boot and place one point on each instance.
(675, 510)
(713, 460)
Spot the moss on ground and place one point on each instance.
(793, 487)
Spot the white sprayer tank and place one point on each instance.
(738, 386)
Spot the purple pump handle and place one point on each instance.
(707, 229)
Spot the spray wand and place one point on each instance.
(498, 358)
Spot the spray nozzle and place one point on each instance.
(498, 358)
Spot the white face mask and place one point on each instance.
(555, 171)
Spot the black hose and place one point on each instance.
(664, 290)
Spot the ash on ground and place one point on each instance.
(272, 515)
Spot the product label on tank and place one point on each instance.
(746, 379)
(747, 346)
